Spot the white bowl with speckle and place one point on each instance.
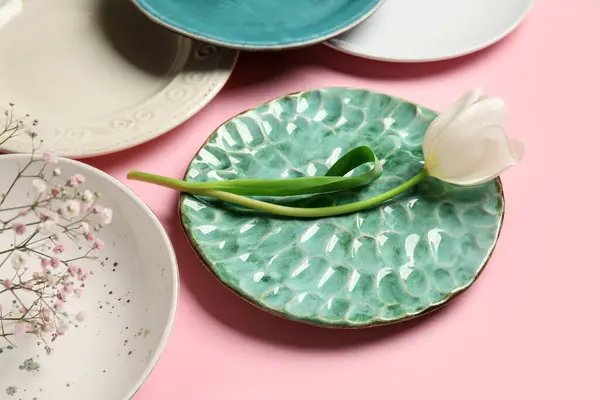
(129, 302)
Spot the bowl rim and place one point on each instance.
(174, 270)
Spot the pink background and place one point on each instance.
(529, 326)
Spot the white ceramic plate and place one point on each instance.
(432, 30)
(9, 9)
(101, 77)
(130, 303)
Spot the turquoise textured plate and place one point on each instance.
(259, 24)
(409, 256)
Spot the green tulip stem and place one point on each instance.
(275, 209)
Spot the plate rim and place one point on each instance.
(217, 78)
(343, 325)
(336, 45)
(250, 47)
(166, 333)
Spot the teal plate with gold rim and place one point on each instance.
(259, 24)
(402, 259)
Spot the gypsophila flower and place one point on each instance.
(48, 215)
(54, 262)
(59, 304)
(88, 197)
(106, 216)
(46, 314)
(21, 328)
(50, 157)
(47, 227)
(18, 260)
(52, 279)
(39, 185)
(43, 278)
(67, 289)
(62, 328)
(19, 228)
(75, 180)
(85, 227)
(70, 209)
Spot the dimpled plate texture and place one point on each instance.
(259, 24)
(406, 257)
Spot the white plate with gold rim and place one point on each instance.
(100, 76)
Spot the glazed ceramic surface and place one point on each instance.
(259, 24)
(101, 77)
(429, 30)
(129, 302)
(9, 9)
(394, 262)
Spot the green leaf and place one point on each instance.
(333, 180)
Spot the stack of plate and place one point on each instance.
(103, 77)
(392, 30)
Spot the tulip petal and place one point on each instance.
(518, 148)
(486, 113)
(477, 160)
(437, 127)
(474, 146)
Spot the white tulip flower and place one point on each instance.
(467, 144)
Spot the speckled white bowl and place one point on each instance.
(130, 303)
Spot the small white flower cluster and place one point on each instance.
(63, 218)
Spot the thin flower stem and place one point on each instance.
(80, 257)
(18, 299)
(7, 257)
(30, 206)
(50, 236)
(319, 211)
(14, 182)
(5, 337)
(38, 298)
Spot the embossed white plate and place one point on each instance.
(129, 301)
(101, 77)
(432, 30)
